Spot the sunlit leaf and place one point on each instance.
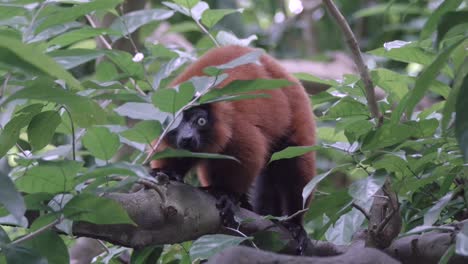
(141, 111)
(434, 212)
(292, 152)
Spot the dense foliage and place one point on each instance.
(77, 115)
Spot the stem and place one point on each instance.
(101, 37)
(72, 130)
(37, 232)
(362, 68)
(206, 32)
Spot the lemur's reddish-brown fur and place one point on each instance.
(251, 130)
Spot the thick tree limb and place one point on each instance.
(241, 255)
(189, 213)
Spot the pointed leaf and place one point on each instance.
(42, 127)
(10, 198)
(17, 51)
(179, 153)
(208, 245)
(97, 210)
(102, 143)
(143, 132)
(50, 177)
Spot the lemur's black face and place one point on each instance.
(193, 132)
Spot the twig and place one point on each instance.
(385, 221)
(37, 232)
(242, 234)
(362, 210)
(5, 83)
(203, 28)
(72, 130)
(153, 186)
(353, 45)
(296, 214)
(108, 46)
(101, 37)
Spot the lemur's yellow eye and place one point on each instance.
(202, 121)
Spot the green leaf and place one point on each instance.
(23, 255)
(102, 143)
(42, 127)
(407, 52)
(130, 22)
(124, 61)
(186, 3)
(225, 38)
(434, 212)
(347, 225)
(311, 78)
(143, 132)
(84, 111)
(68, 14)
(171, 100)
(387, 135)
(4, 239)
(208, 245)
(310, 187)
(70, 58)
(364, 189)
(269, 241)
(10, 198)
(180, 153)
(250, 57)
(212, 16)
(449, 253)
(292, 152)
(461, 118)
(141, 111)
(434, 18)
(49, 177)
(51, 246)
(148, 254)
(97, 210)
(10, 133)
(346, 107)
(80, 34)
(449, 21)
(395, 84)
(461, 246)
(13, 52)
(393, 163)
(245, 86)
(327, 204)
(428, 75)
(460, 81)
(390, 8)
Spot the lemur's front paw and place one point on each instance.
(227, 205)
(299, 234)
(165, 175)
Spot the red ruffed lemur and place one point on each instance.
(249, 130)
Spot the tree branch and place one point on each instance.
(354, 47)
(189, 213)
